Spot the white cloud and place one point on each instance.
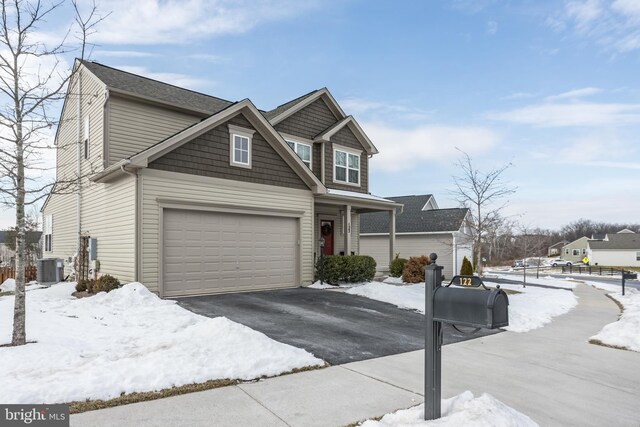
(518, 95)
(182, 80)
(403, 149)
(180, 21)
(492, 27)
(614, 25)
(122, 54)
(366, 107)
(576, 93)
(573, 114)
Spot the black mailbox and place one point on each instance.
(629, 275)
(478, 308)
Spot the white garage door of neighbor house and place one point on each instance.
(214, 252)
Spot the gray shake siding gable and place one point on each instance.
(311, 121)
(209, 154)
(308, 122)
(345, 138)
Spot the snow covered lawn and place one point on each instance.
(624, 333)
(462, 410)
(531, 309)
(128, 340)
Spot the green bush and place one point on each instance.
(466, 269)
(396, 266)
(413, 271)
(81, 286)
(105, 283)
(347, 269)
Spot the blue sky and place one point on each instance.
(551, 87)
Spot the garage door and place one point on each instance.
(214, 252)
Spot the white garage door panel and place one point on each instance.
(213, 252)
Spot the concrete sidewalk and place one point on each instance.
(551, 374)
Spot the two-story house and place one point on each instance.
(192, 194)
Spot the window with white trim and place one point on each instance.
(576, 252)
(85, 137)
(566, 251)
(240, 150)
(346, 167)
(47, 231)
(637, 256)
(302, 150)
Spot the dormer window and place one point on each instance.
(346, 166)
(302, 150)
(240, 146)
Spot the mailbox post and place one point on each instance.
(479, 308)
(432, 343)
(321, 241)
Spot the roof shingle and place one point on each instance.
(624, 241)
(413, 219)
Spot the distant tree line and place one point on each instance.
(507, 240)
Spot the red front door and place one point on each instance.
(326, 232)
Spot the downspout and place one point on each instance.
(79, 160)
(455, 255)
(322, 160)
(136, 270)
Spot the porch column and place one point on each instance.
(392, 234)
(347, 229)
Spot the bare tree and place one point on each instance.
(481, 192)
(33, 77)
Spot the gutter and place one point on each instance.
(113, 169)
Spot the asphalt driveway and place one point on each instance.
(335, 326)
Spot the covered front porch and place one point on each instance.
(337, 221)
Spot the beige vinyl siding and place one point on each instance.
(408, 246)
(194, 189)
(65, 231)
(615, 258)
(108, 214)
(63, 206)
(580, 244)
(134, 126)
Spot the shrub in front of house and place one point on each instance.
(83, 285)
(105, 283)
(396, 266)
(466, 269)
(347, 269)
(413, 271)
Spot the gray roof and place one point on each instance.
(624, 241)
(32, 236)
(413, 219)
(559, 244)
(284, 107)
(164, 92)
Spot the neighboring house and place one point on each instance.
(575, 250)
(8, 256)
(421, 228)
(617, 250)
(556, 250)
(192, 194)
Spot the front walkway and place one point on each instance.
(551, 374)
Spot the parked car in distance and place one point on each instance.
(559, 261)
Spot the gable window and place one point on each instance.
(302, 150)
(240, 148)
(85, 137)
(47, 231)
(346, 167)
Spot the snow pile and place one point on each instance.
(462, 410)
(535, 307)
(321, 285)
(410, 296)
(393, 280)
(626, 331)
(9, 285)
(564, 283)
(126, 341)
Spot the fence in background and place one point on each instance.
(30, 272)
